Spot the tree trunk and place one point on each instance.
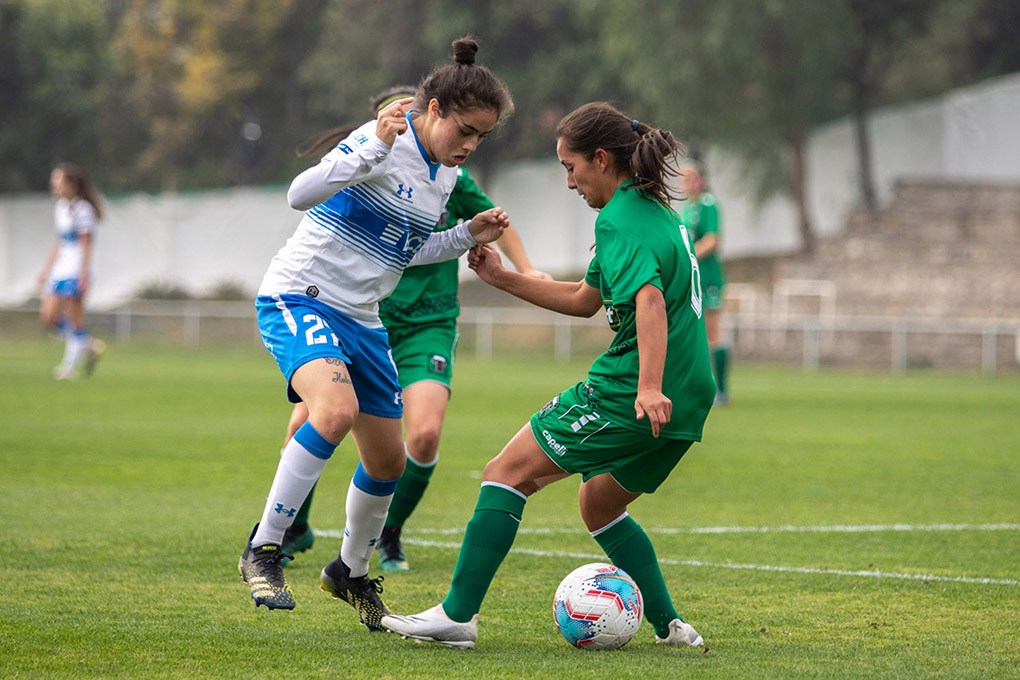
(798, 187)
(862, 137)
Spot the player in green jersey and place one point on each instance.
(701, 217)
(421, 321)
(645, 399)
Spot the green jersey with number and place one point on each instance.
(638, 242)
(701, 217)
(428, 292)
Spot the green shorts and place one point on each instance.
(713, 297)
(579, 440)
(424, 351)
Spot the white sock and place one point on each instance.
(368, 501)
(302, 461)
(78, 343)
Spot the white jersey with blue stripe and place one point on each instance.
(371, 208)
(73, 218)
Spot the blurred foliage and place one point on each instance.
(165, 94)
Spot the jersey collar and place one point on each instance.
(433, 167)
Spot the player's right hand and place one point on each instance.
(485, 261)
(392, 120)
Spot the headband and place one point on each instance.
(392, 98)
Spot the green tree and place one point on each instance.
(53, 66)
(876, 33)
(751, 77)
(195, 74)
(545, 50)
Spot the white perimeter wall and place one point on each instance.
(199, 240)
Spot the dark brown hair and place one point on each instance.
(646, 153)
(83, 186)
(458, 87)
(464, 85)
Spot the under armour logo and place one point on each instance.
(400, 191)
(290, 512)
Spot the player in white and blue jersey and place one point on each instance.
(66, 274)
(372, 203)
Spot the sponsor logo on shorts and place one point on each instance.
(312, 291)
(553, 444)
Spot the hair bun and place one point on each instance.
(464, 50)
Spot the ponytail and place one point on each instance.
(646, 153)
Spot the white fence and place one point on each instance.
(991, 345)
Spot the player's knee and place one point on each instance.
(423, 444)
(333, 423)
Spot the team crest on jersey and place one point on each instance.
(437, 364)
(312, 291)
(548, 408)
(613, 317)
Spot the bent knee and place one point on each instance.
(423, 445)
(333, 423)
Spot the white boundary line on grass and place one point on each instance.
(333, 533)
(836, 528)
(749, 567)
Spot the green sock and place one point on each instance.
(488, 538)
(410, 489)
(720, 357)
(302, 515)
(627, 545)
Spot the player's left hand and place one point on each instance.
(488, 226)
(655, 405)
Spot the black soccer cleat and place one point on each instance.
(361, 593)
(262, 570)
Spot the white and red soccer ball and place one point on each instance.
(598, 606)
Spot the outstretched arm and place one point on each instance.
(574, 299)
(445, 245)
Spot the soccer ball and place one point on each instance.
(598, 606)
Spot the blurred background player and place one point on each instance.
(372, 204)
(66, 274)
(701, 217)
(420, 316)
(645, 400)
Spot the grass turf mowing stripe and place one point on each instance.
(864, 573)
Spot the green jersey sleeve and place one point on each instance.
(626, 263)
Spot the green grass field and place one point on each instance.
(835, 525)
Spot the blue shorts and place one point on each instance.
(67, 288)
(297, 329)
